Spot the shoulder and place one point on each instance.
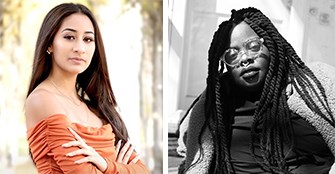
(40, 104)
(323, 68)
(324, 73)
(189, 127)
(199, 107)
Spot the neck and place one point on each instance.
(244, 96)
(253, 97)
(67, 86)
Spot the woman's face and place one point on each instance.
(73, 45)
(249, 73)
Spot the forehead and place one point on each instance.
(241, 33)
(77, 21)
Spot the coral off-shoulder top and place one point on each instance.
(46, 138)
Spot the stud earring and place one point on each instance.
(48, 52)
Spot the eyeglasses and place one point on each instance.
(251, 48)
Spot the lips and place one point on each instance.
(250, 71)
(77, 59)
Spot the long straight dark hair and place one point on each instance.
(94, 81)
(273, 113)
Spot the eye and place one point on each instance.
(230, 55)
(254, 46)
(88, 39)
(69, 37)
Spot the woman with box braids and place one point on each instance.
(267, 95)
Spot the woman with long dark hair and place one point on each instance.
(73, 125)
(263, 110)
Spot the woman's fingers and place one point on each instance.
(118, 146)
(122, 152)
(137, 157)
(128, 154)
(75, 143)
(76, 135)
(84, 160)
(86, 152)
(89, 152)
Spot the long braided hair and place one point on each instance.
(272, 113)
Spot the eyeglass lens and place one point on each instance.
(251, 48)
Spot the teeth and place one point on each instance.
(247, 71)
(249, 74)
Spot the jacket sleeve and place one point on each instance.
(181, 149)
(198, 154)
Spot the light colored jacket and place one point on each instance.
(188, 142)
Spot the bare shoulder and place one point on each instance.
(40, 104)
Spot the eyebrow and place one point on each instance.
(73, 30)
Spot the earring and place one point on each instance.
(48, 52)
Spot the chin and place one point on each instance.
(251, 85)
(77, 71)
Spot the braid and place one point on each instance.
(272, 112)
(221, 133)
(220, 130)
(302, 83)
(214, 111)
(305, 78)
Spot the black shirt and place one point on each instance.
(310, 154)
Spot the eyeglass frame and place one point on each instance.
(245, 51)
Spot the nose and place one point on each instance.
(245, 59)
(79, 47)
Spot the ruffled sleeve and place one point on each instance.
(114, 167)
(46, 139)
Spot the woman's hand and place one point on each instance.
(124, 154)
(90, 154)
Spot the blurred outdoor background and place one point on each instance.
(308, 25)
(132, 34)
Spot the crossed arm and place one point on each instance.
(90, 155)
